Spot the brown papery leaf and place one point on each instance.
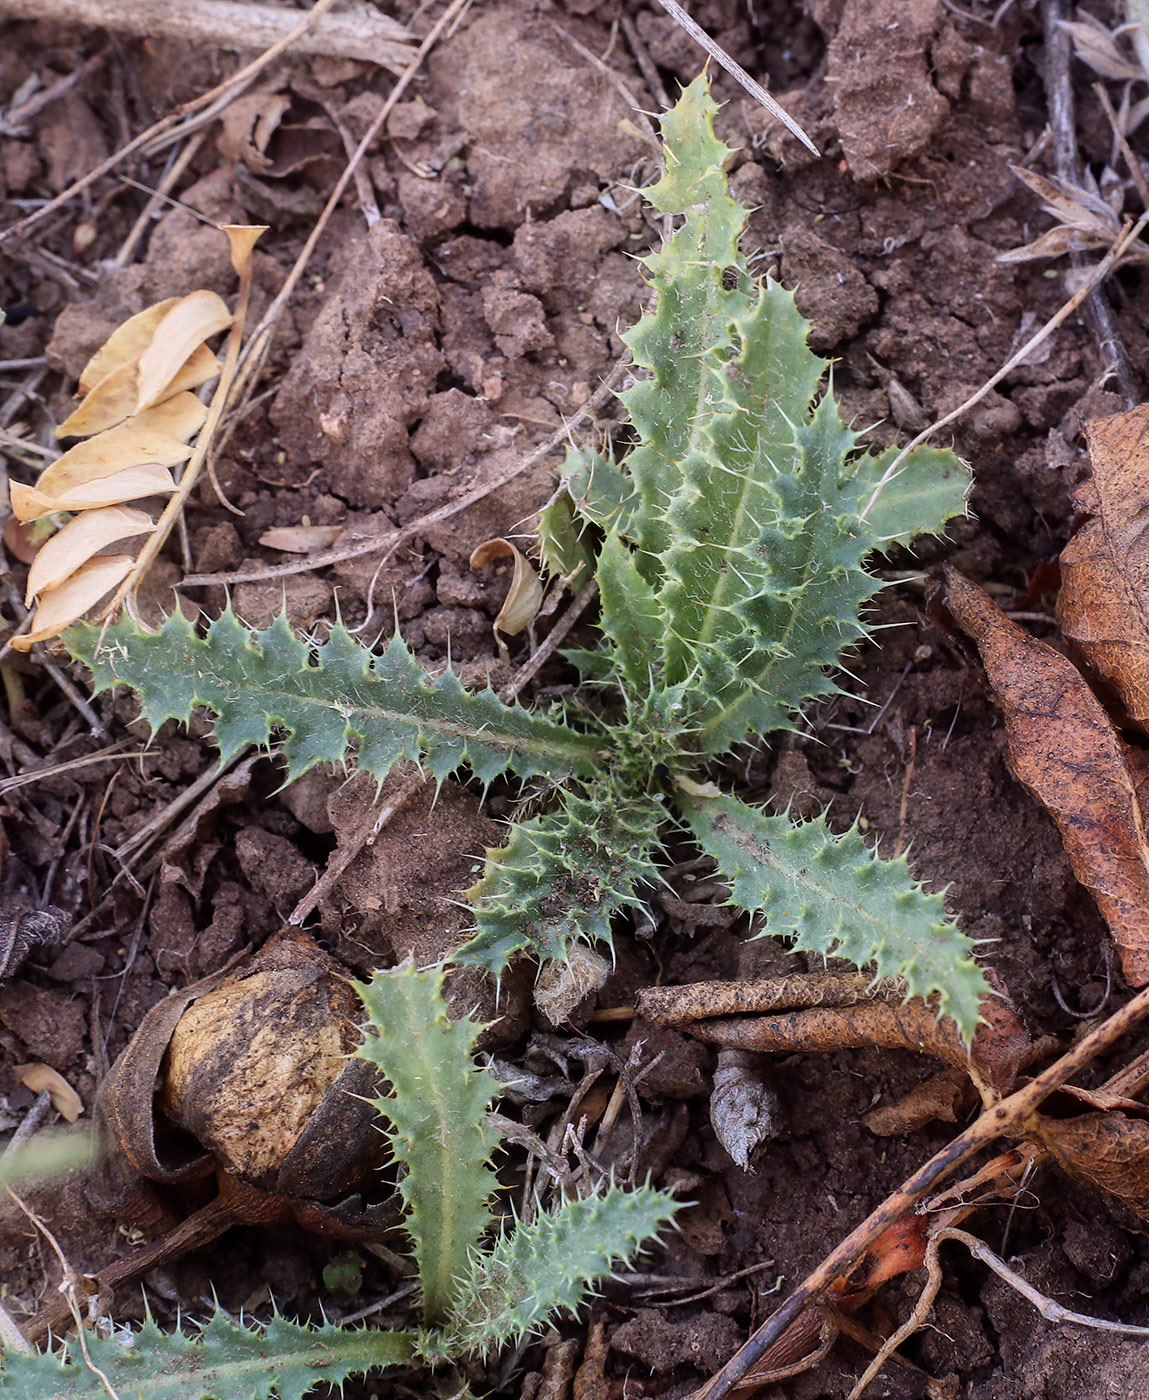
(525, 597)
(194, 319)
(1103, 607)
(39, 1077)
(1105, 1150)
(67, 604)
(111, 452)
(83, 537)
(126, 342)
(301, 539)
(132, 484)
(114, 398)
(1065, 749)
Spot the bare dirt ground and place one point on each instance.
(425, 354)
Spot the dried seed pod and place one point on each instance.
(253, 1074)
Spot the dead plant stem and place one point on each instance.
(998, 1121)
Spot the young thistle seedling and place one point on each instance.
(729, 547)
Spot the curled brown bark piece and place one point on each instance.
(1066, 750)
(696, 1001)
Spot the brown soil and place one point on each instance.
(425, 355)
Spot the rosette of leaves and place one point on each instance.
(136, 424)
(729, 548)
(477, 1296)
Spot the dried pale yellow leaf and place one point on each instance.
(113, 451)
(131, 484)
(243, 238)
(301, 539)
(182, 415)
(62, 606)
(126, 342)
(194, 319)
(526, 592)
(109, 402)
(81, 539)
(200, 366)
(39, 1076)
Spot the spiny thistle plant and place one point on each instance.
(476, 1297)
(729, 548)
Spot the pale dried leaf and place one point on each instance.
(525, 597)
(78, 595)
(194, 319)
(108, 403)
(1073, 204)
(1095, 45)
(743, 1106)
(38, 1077)
(132, 484)
(113, 451)
(182, 416)
(127, 342)
(1065, 238)
(81, 539)
(243, 238)
(247, 126)
(301, 539)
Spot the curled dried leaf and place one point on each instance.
(242, 239)
(525, 597)
(127, 342)
(81, 539)
(40, 1077)
(940, 1098)
(743, 1106)
(62, 606)
(194, 319)
(301, 539)
(1095, 45)
(1067, 751)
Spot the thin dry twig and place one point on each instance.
(229, 88)
(997, 1121)
(737, 72)
(1096, 277)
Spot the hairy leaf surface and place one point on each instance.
(324, 696)
(223, 1361)
(438, 1114)
(834, 896)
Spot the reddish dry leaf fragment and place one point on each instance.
(1103, 606)
(1065, 749)
(301, 539)
(38, 1077)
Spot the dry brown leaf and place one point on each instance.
(940, 1098)
(247, 126)
(38, 1077)
(132, 484)
(126, 342)
(108, 453)
(697, 1001)
(1109, 1150)
(1065, 749)
(194, 319)
(82, 537)
(998, 1048)
(1103, 607)
(62, 606)
(301, 539)
(525, 597)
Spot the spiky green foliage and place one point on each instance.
(222, 1361)
(729, 547)
(323, 697)
(546, 1266)
(476, 1299)
(437, 1110)
(832, 895)
(563, 875)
